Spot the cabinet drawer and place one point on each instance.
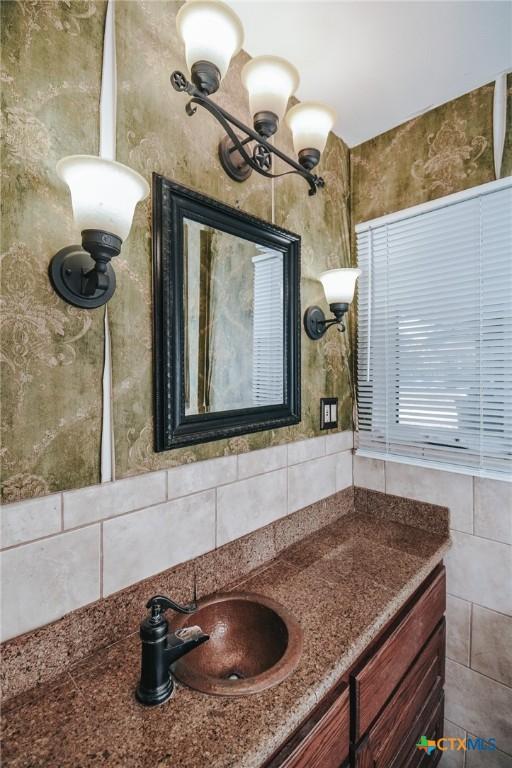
(323, 740)
(394, 731)
(374, 682)
(432, 727)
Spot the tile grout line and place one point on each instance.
(482, 674)
(470, 636)
(287, 481)
(101, 560)
(98, 487)
(473, 510)
(479, 605)
(216, 520)
(57, 534)
(102, 520)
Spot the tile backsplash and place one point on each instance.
(63, 551)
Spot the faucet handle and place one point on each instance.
(159, 604)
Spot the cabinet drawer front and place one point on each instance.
(432, 727)
(374, 682)
(323, 740)
(395, 729)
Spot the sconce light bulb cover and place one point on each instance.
(339, 284)
(104, 193)
(310, 123)
(270, 81)
(211, 32)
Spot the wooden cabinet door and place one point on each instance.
(393, 735)
(373, 683)
(323, 740)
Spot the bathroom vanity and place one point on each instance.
(390, 698)
(368, 591)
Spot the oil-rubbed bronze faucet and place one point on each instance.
(160, 649)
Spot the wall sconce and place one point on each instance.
(339, 286)
(103, 195)
(212, 34)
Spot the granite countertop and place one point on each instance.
(343, 583)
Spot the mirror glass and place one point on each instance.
(234, 321)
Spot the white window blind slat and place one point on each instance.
(435, 332)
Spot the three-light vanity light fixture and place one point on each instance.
(212, 34)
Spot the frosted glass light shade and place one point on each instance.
(310, 123)
(103, 193)
(211, 31)
(270, 81)
(339, 285)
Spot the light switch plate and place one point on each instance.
(328, 412)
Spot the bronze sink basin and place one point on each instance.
(254, 644)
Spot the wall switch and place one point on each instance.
(328, 412)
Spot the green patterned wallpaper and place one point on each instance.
(52, 354)
(442, 151)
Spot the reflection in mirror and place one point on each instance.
(234, 321)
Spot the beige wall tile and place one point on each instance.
(250, 504)
(491, 646)
(493, 509)
(144, 543)
(369, 473)
(449, 489)
(200, 475)
(458, 623)
(478, 704)
(453, 758)
(341, 441)
(311, 481)
(28, 520)
(44, 580)
(480, 571)
(487, 759)
(303, 450)
(343, 470)
(98, 502)
(265, 460)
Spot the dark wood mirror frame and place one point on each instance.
(173, 429)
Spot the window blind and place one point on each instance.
(268, 339)
(435, 331)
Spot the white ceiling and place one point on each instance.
(381, 63)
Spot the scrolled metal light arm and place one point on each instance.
(260, 159)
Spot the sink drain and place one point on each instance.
(234, 676)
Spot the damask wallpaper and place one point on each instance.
(52, 354)
(442, 151)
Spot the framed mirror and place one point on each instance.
(226, 320)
